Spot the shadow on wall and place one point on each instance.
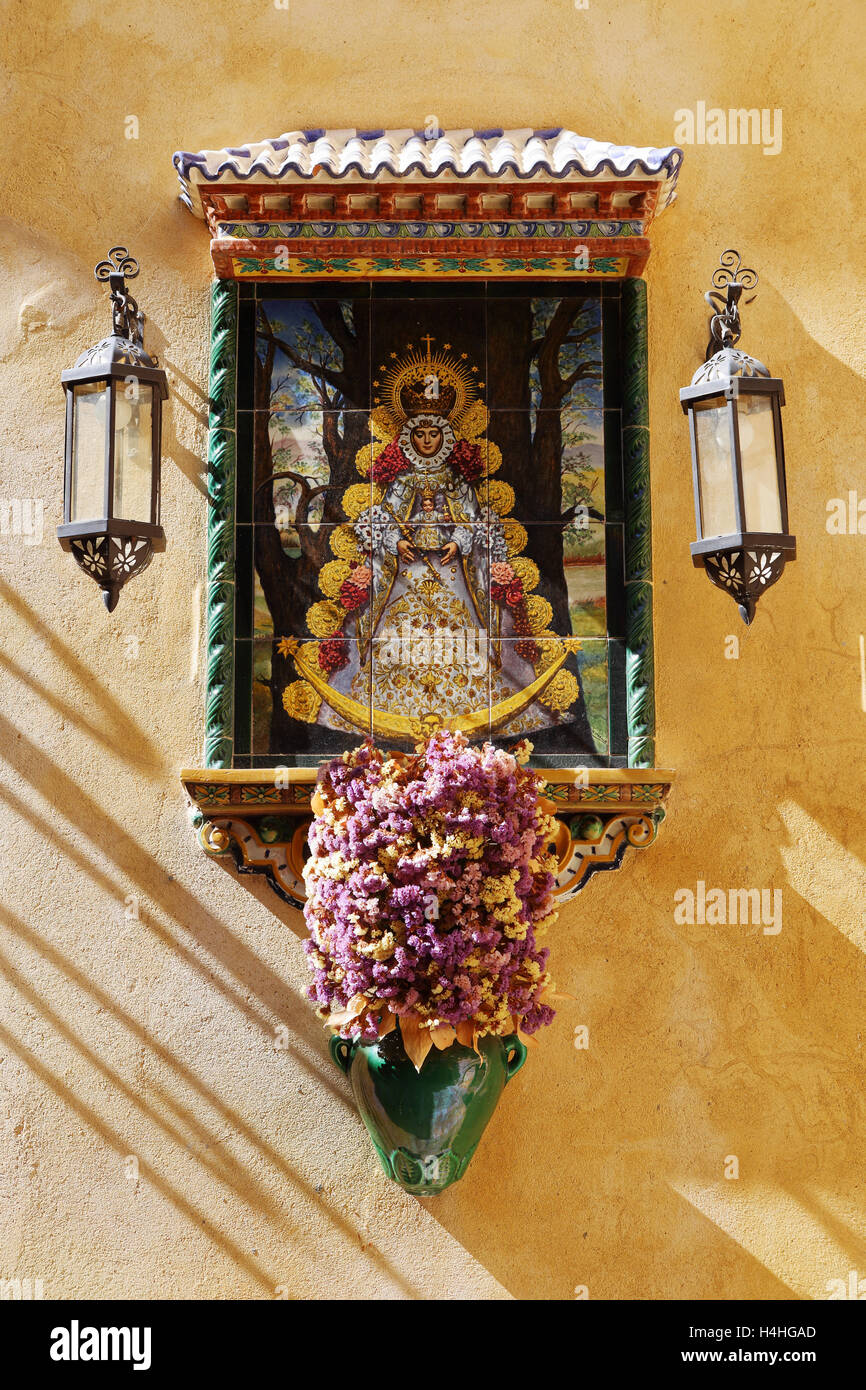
(609, 1169)
(188, 402)
(213, 952)
(112, 729)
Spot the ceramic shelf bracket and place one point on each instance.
(260, 818)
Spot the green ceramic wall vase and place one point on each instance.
(426, 1125)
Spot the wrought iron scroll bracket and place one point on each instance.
(127, 318)
(732, 277)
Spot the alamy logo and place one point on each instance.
(737, 126)
(854, 1287)
(846, 518)
(17, 1289)
(440, 647)
(76, 1343)
(22, 517)
(714, 907)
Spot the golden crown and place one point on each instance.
(426, 383)
(422, 397)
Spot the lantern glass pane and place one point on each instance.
(89, 428)
(758, 458)
(133, 444)
(715, 473)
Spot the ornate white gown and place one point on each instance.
(431, 641)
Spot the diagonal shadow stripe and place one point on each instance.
(250, 974)
(228, 1173)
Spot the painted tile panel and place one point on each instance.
(544, 352)
(310, 698)
(417, 555)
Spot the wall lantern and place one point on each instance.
(114, 396)
(738, 458)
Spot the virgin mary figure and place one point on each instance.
(438, 623)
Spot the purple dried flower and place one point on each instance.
(427, 881)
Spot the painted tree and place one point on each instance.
(330, 359)
(538, 364)
(541, 359)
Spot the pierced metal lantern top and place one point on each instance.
(115, 351)
(728, 363)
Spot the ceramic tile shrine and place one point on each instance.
(429, 470)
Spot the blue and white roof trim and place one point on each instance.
(322, 156)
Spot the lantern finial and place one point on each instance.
(730, 275)
(128, 320)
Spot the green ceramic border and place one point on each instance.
(639, 670)
(640, 694)
(221, 459)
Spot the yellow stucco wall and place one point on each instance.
(154, 1037)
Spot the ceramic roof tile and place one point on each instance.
(301, 155)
